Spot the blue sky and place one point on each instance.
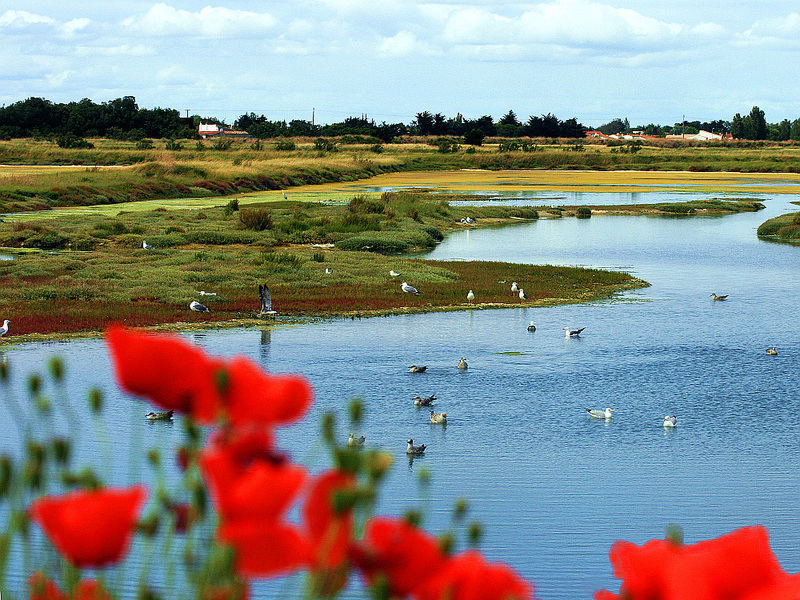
(651, 61)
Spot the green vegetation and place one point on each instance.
(785, 227)
(91, 269)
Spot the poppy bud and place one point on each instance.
(34, 384)
(62, 450)
(96, 400)
(475, 533)
(356, 411)
(328, 422)
(56, 366)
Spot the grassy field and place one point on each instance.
(76, 219)
(116, 172)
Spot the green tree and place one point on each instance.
(737, 127)
(474, 137)
(758, 124)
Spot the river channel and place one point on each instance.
(552, 487)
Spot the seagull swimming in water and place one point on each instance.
(670, 421)
(147, 246)
(715, 297)
(197, 307)
(160, 416)
(356, 441)
(470, 296)
(412, 449)
(438, 418)
(531, 327)
(426, 401)
(600, 414)
(572, 332)
(408, 289)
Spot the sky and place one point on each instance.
(650, 61)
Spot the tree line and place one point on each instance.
(123, 119)
(752, 126)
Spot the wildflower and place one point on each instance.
(43, 588)
(246, 479)
(660, 569)
(90, 528)
(469, 577)
(398, 552)
(167, 370)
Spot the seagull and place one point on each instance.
(197, 307)
(408, 289)
(266, 300)
(412, 449)
(713, 295)
(4, 328)
(284, 195)
(470, 296)
(462, 364)
(327, 270)
(438, 418)
(160, 416)
(522, 295)
(670, 421)
(572, 332)
(600, 414)
(514, 287)
(356, 441)
(147, 246)
(393, 273)
(426, 401)
(202, 293)
(771, 351)
(531, 327)
(416, 369)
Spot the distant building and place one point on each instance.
(700, 136)
(207, 130)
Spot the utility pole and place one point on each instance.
(312, 117)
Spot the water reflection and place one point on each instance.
(553, 487)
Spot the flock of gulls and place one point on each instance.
(669, 420)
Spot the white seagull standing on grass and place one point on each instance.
(600, 414)
(470, 296)
(393, 273)
(522, 295)
(197, 307)
(408, 289)
(4, 328)
(514, 287)
(147, 246)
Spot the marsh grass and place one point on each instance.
(785, 227)
(115, 279)
(114, 171)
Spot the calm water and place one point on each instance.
(553, 488)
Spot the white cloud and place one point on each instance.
(21, 18)
(773, 30)
(563, 22)
(119, 50)
(212, 21)
(70, 28)
(404, 43)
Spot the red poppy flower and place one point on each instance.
(727, 567)
(90, 528)
(266, 548)
(246, 479)
(330, 530)
(393, 548)
(469, 577)
(253, 396)
(43, 588)
(166, 369)
(176, 375)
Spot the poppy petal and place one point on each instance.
(329, 529)
(266, 549)
(90, 528)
